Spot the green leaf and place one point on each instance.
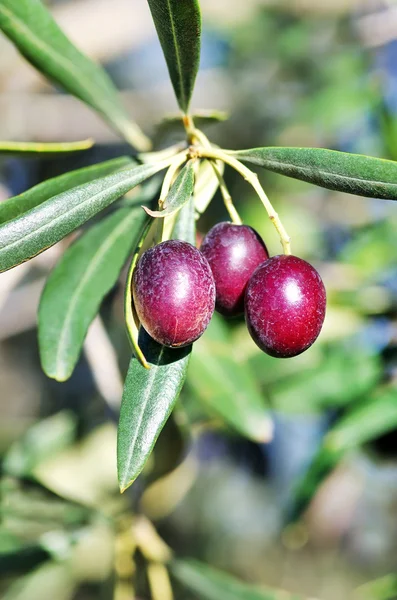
(42, 440)
(179, 194)
(148, 399)
(340, 378)
(211, 584)
(30, 148)
(30, 26)
(360, 425)
(340, 171)
(185, 226)
(17, 205)
(227, 386)
(51, 580)
(383, 588)
(76, 287)
(178, 24)
(43, 226)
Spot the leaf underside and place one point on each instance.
(350, 173)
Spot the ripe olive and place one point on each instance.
(174, 293)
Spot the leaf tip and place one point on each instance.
(124, 486)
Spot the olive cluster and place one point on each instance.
(176, 288)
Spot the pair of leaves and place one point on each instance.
(178, 24)
(46, 224)
(210, 584)
(75, 289)
(366, 422)
(32, 29)
(150, 393)
(341, 171)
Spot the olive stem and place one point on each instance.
(252, 179)
(227, 199)
(189, 126)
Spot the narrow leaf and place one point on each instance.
(360, 425)
(178, 24)
(17, 205)
(179, 194)
(340, 171)
(207, 185)
(228, 389)
(22, 148)
(148, 399)
(30, 26)
(45, 438)
(185, 226)
(76, 287)
(211, 584)
(43, 226)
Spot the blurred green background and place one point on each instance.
(314, 510)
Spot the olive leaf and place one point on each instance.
(179, 194)
(211, 584)
(17, 205)
(76, 287)
(184, 227)
(148, 399)
(39, 228)
(178, 24)
(207, 184)
(45, 438)
(228, 389)
(32, 148)
(30, 26)
(361, 424)
(352, 173)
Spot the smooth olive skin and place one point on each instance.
(174, 293)
(233, 253)
(285, 305)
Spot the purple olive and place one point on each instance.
(233, 253)
(285, 306)
(174, 293)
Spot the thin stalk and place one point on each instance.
(227, 199)
(253, 180)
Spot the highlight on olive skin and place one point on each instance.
(174, 293)
(233, 252)
(285, 305)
